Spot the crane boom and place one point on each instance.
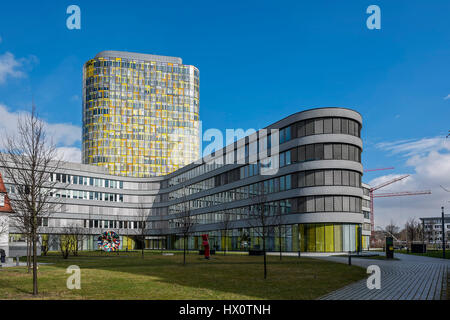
(399, 194)
(389, 182)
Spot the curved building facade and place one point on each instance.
(140, 113)
(315, 192)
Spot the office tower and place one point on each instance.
(140, 113)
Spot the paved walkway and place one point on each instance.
(409, 278)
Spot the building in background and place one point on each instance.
(366, 227)
(317, 190)
(433, 230)
(140, 113)
(5, 211)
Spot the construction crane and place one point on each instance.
(390, 194)
(371, 195)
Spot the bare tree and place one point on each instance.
(28, 162)
(65, 243)
(186, 224)
(413, 230)
(392, 229)
(76, 236)
(142, 223)
(260, 221)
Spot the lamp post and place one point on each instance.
(443, 234)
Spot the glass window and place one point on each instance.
(328, 203)
(318, 126)
(328, 152)
(301, 179)
(338, 203)
(310, 207)
(282, 183)
(337, 151)
(288, 134)
(302, 204)
(345, 152)
(351, 153)
(337, 177)
(309, 127)
(351, 127)
(352, 204)
(309, 152)
(345, 203)
(288, 182)
(282, 159)
(301, 129)
(310, 179)
(301, 153)
(318, 151)
(327, 126)
(344, 126)
(319, 178)
(345, 178)
(320, 203)
(328, 177)
(336, 125)
(288, 157)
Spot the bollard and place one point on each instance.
(299, 253)
(349, 258)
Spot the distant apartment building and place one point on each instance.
(140, 113)
(433, 230)
(366, 226)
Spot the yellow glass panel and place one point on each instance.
(311, 237)
(320, 238)
(338, 238)
(329, 238)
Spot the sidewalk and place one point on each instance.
(409, 278)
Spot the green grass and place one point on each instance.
(429, 253)
(128, 276)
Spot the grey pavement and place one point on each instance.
(409, 278)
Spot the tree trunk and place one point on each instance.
(184, 251)
(143, 245)
(265, 258)
(35, 283)
(279, 238)
(28, 254)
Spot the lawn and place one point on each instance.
(128, 276)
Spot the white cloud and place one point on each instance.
(12, 67)
(430, 160)
(61, 134)
(70, 154)
(447, 97)
(414, 147)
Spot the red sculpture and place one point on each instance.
(206, 245)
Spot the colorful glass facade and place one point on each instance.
(140, 113)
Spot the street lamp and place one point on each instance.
(443, 234)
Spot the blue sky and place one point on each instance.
(259, 61)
